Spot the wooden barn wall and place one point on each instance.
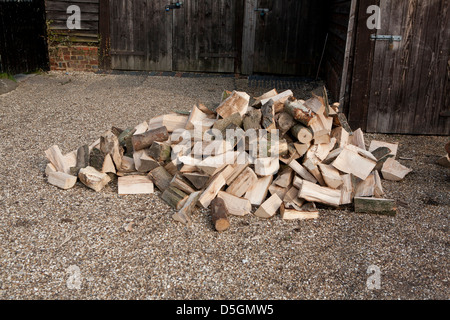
(56, 11)
(338, 19)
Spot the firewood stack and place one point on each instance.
(190, 159)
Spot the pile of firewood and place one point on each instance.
(299, 153)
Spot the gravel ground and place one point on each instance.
(72, 244)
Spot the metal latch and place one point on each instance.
(262, 11)
(176, 5)
(385, 37)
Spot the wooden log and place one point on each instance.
(174, 197)
(141, 128)
(340, 120)
(93, 178)
(269, 207)
(143, 162)
(109, 144)
(49, 168)
(56, 158)
(393, 170)
(279, 191)
(299, 112)
(196, 118)
(314, 170)
(127, 165)
(61, 180)
(172, 122)
(341, 135)
(302, 133)
(378, 190)
(352, 162)
(375, 205)
(125, 141)
(160, 177)
(252, 120)
(236, 206)
(347, 189)
(301, 148)
(292, 154)
(199, 180)
(82, 156)
(108, 165)
(236, 102)
(173, 166)
(323, 139)
(222, 124)
(291, 199)
(184, 214)
(366, 188)
(268, 116)
(315, 193)
(181, 183)
(257, 193)
(284, 122)
(211, 191)
(266, 166)
(357, 139)
(134, 184)
(278, 100)
(332, 156)
(301, 171)
(375, 144)
(159, 151)
(270, 94)
(284, 178)
(242, 183)
(212, 165)
(330, 175)
(219, 215)
(444, 161)
(294, 214)
(324, 149)
(145, 140)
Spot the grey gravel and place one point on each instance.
(79, 244)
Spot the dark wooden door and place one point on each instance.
(289, 36)
(141, 35)
(403, 86)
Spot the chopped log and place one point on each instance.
(172, 122)
(278, 100)
(267, 95)
(279, 191)
(144, 163)
(199, 180)
(56, 158)
(174, 197)
(323, 139)
(340, 120)
(378, 190)
(257, 193)
(315, 104)
(297, 182)
(222, 124)
(236, 206)
(173, 166)
(196, 118)
(324, 149)
(301, 133)
(252, 120)
(375, 144)
(125, 141)
(61, 180)
(299, 112)
(314, 170)
(347, 189)
(127, 164)
(393, 170)
(366, 188)
(267, 166)
(301, 148)
(293, 214)
(352, 162)
(375, 205)
(134, 185)
(236, 102)
(93, 178)
(219, 215)
(315, 193)
(116, 131)
(357, 139)
(82, 156)
(108, 165)
(159, 151)
(145, 140)
(96, 159)
(284, 122)
(332, 156)
(237, 170)
(242, 183)
(291, 199)
(341, 135)
(141, 128)
(268, 116)
(330, 175)
(211, 191)
(269, 208)
(109, 144)
(284, 178)
(292, 154)
(184, 214)
(49, 168)
(181, 183)
(301, 171)
(160, 177)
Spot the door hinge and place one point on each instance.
(385, 37)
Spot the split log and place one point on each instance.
(378, 190)
(173, 166)
(219, 215)
(83, 156)
(352, 162)
(236, 102)
(211, 191)
(357, 139)
(242, 183)
(235, 205)
(301, 148)
(330, 175)
(267, 166)
(257, 193)
(269, 208)
(172, 122)
(279, 191)
(199, 180)
(125, 141)
(375, 144)
(222, 124)
(49, 168)
(212, 165)
(101, 161)
(301, 133)
(145, 140)
(181, 183)
(174, 197)
(294, 214)
(252, 120)
(291, 199)
(393, 170)
(127, 165)
(237, 170)
(315, 193)
(301, 171)
(184, 214)
(266, 95)
(299, 112)
(56, 158)
(135, 185)
(347, 189)
(284, 178)
(278, 100)
(314, 170)
(375, 205)
(160, 177)
(268, 116)
(159, 151)
(284, 122)
(141, 128)
(196, 118)
(366, 188)
(109, 144)
(61, 180)
(341, 135)
(93, 178)
(142, 162)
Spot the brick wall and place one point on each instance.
(74, 58)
